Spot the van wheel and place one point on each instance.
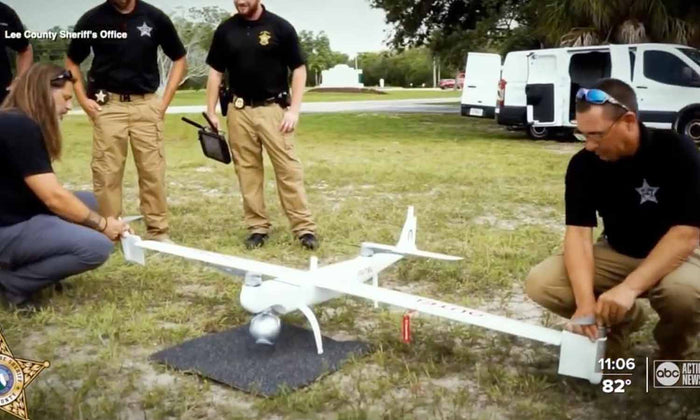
(537, 133)
(689, 125)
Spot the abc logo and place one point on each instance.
(668, 373)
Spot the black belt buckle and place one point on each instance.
(125, 97)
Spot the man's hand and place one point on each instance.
(115, 228)
(214, 119)
(289, 122)
(614, 304)
(161, 110)
(91, 108)
(584, 311)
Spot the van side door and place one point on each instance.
(480, 92)
(542, 91)
(665, 81)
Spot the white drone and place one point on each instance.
(289, 289)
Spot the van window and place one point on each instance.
(664, 67)
(692, 53)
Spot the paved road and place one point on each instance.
(429, 105)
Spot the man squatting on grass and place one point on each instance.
(46, 232)
(645, 184)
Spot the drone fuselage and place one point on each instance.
(288, 295)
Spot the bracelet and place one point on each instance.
(104, 228)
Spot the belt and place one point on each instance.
(239, 102)
(103, 96)
(127, 97)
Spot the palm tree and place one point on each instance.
(591, 22)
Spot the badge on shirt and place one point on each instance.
(239, 103)
(647, 192)
(144, 29)
(264, 37)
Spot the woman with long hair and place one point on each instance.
(47, 233)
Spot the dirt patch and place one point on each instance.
(195, 290)
(523, 215)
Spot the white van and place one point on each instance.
(537, 88)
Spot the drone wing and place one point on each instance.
(444, 310)
(134, 247)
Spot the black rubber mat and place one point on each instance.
(232, 358)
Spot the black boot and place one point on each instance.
(309, 241)
(256, 240)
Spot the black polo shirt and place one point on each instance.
(127, 65)
(640, 197)
(22, 154)
(257, 54)
(9, 23)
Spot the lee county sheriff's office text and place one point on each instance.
(52, 35)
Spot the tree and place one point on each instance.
(196, 28)
(411, 67)
(318, 54)
(49, 51)
(591, 22)
(451, 28)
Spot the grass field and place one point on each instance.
(479, 192)
(198, 97)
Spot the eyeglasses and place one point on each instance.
(65, 75)
(598, 97)
(597, 136)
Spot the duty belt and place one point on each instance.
(240, 102)
(102, 96)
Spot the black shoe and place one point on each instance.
(256, 240)
(309, 241)
(17, 303)
(60, 287)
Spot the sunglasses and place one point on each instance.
(65, 75)
(598, 97)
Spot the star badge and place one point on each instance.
(264, 38)
(101, 97)
(145, 29)
(15, 375)
(647, 192)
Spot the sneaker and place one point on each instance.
(256, 240)
(309, 241)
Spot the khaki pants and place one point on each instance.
(136, 122)
(251, 129)
(676, 298)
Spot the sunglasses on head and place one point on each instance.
(598, 97)
(65, 75)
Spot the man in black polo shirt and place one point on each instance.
(259, 49)
(645, 185)
(124, 36)
(10, 24)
